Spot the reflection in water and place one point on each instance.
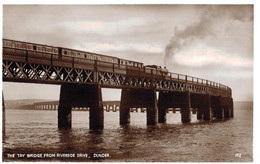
(66, 140)
(37, 132)
(95, 140)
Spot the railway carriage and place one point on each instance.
(87, 55)
(130, 67)
(68, 52)
(29, 46)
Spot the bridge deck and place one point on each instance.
(139, 86)
(38, 67)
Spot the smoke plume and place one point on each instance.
(208, 25)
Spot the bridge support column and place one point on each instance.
(138, 98)
(96, 111)
(174, 100)
(186, 108)
(232, 108)
(3, 115)
(220, 112)
(73, 95)
(199, 113)
(162, 114)
(217, 107)
(64, 110)
(152, 114)
(124, 108)
(162, 109)
(227, 112)
(203, 104)
(228, 106)
(207, 112)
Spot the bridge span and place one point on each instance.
(108, 106)
(81, 81)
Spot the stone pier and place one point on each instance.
(186, 108)
(174, 100)
(73, 95)
(138, 98)
(217, 108)
(227, 104)
(232, 107)
(199, 114)
(203, 104)
(227, 112)
(3, 115)
(207, 110)
(162, 107)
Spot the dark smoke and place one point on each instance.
(210, 19)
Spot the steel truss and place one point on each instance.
(28, 72)
(23, 66)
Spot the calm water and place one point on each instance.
(36, 133)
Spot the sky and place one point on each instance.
(213, 42)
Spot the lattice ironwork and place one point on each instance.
(27, 72)
(21, 65)
(113, 79)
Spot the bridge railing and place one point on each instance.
(31, 56)
(187, 79)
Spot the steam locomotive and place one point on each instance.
(60, 51)
(164, 71)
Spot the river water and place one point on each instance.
(32, 135)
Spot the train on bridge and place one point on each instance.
(37, 63)
(60, 52)
(67, 65)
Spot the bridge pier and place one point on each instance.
(96, 112)
(174, 100)
(73, 95)
(3, 115)
(203, 104)
(217, 107)
(138, 98)
(227, 112)
(64, 109)
(199, 113)
(207, 115)
(162, 114)
(228, 107)
(162, 108)
(124, 108)
(186, 108)
(232, 107)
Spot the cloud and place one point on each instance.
(214, 21)
(104, 47)
(101, 27)
(235, 74)
(198, 56)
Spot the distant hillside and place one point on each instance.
(23, 103)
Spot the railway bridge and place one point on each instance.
(108, 106)
(81, 81)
